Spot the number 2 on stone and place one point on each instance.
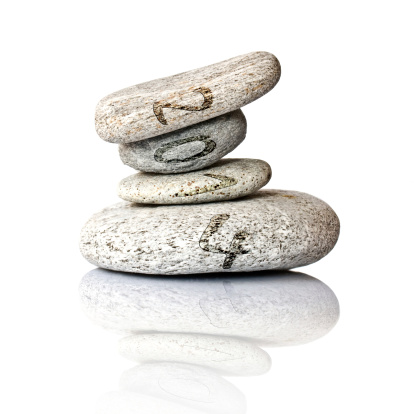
(236, 245)
(160, 105)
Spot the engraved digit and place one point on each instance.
(236, 245)
(209, 146)
(215, 223)
(224, 182)
(160, 105)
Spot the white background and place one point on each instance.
(339, 125)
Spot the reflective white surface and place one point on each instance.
(271, 308)
(227, 355)
(187, 385)
(188, 332)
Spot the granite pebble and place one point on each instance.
(225, 355)
(167, 104)
(268, 308)
(187, 149)
(228, 179)
(271, 229)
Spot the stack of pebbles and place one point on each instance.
(177, 218)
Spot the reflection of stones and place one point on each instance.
(180, 372)
(166, 388)
(287, 229)
(187, 149)
(171, 388)
(269, 308)
(227, 356)
(127, 402)
(227, 179)
(188, 384)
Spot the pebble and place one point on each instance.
(268, 308)
(185, 384)
(271, 229)
(167, 104)
(228, 179)
(227, 356)
(187, 149)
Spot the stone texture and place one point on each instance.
(271, 229)
(167, 104)
(269, 308)
(187, 149)
(228, 179)
(188, 385)
(225, 355)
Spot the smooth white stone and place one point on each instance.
(227, 179)
(225, 355)
(269, 308)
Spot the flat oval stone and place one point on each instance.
(271, 229)
(225, 355)
(167, 104)
(187, 149)
(268, 308)
(227, 179)
(189, 385)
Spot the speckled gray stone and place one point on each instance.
(228, 179)
(269, 308)
(225, 355)
(271, 229)
(188, 385)
(167, 104)
(187, 149)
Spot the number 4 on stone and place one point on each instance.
(236, 245)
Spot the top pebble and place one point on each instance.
(167, 104)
